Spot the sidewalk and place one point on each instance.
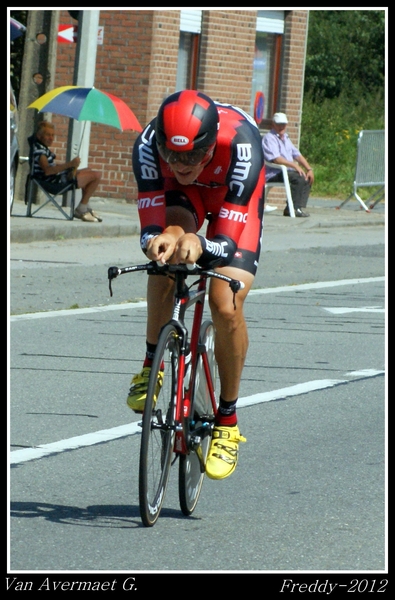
(121, 219)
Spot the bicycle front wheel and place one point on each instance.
(192, 465)
(157, 438)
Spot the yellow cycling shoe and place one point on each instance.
(138, 389)
(223, 454)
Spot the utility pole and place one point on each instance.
(84, 75)
(38, 75)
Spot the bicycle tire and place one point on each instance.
(190, 474)
(157, 437)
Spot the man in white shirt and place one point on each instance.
(279, 149)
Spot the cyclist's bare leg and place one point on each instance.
(159, 305)
(231, 340)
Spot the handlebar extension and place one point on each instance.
(157, 268)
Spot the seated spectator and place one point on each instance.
(279, 149)
(46, 168)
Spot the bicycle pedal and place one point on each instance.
(196, 440)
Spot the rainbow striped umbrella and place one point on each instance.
(17, 28)
(88, 104)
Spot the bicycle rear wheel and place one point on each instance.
(191, 468)
(157, 438)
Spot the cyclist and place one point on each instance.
(201, 159)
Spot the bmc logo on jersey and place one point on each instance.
(241, 168)
(179, 140)
(147, 202)
(233, 215)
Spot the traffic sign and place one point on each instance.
(259, 107)
(67, 34)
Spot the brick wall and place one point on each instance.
(164, 55)
(123, 65)
(138, 62)
(227, 55)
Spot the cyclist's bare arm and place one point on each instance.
(170, 246)
(178, 242)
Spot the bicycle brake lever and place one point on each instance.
(235, 286)
(113, 272)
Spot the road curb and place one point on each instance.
(120, 219)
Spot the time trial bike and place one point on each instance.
(181, 404)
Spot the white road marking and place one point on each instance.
(342, 310)
(81, 441)
(143, 304)
(69, 312)
(316, 286)
(106, 435)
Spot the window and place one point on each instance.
(188, 51)
(267, 61)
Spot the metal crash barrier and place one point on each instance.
(369, 171)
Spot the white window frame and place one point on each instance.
(191, 21)
(269, 22)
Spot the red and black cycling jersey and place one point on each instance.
(229, 187)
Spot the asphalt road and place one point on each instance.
(309, 492)
(66, 273)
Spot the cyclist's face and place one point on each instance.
(187, 166)
(186, 174)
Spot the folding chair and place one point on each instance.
(285, 184)
(51, 191)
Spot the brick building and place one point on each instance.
(145, 55)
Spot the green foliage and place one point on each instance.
(344, 93)
(329, 136)
(16, 53)
(345, 51)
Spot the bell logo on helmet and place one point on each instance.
(179, 140)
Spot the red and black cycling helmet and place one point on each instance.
(186, 127)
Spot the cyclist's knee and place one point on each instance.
(226, 308)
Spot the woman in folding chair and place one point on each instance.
(46, 168)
